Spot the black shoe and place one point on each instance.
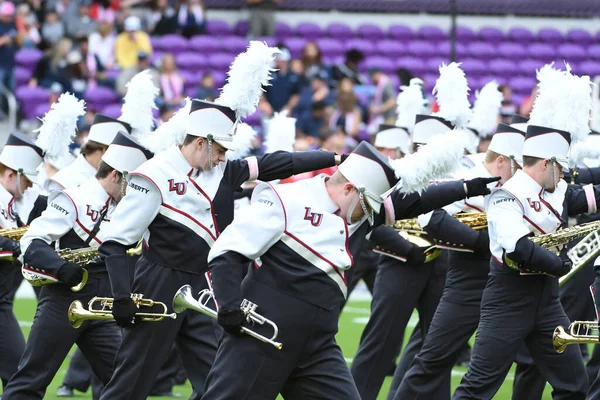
(64, 391)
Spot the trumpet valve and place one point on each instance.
(248, 307)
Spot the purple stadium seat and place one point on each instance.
(191, 92)
(528, 67)
(395, 80)
(580, 36)
(391, 48)
(488, 78)
(220, 61)
(421, 48)
(191, 61)
(465, 34)
(309, 30)
(475, 83)
(370, 31)
(204, 44)
(430, 80)
(28, 58)
(155, 43)
(174, 44)
(38, 110)
(542, 51)
(32, 94)
(511, 50)
(295, 45)
(218, 28)
(522, 85)
(571, 52)
(491, 35)
(415, 65)
(383, 63)
(432, 32)
(481, 50)
(331, 47)
(366, 46)
(443, 49)
(240, 28)
(253, 119)
(591, 68)
(22, 75)
(269, 40)
(234, 44)
(432, 66)
(502, 67)
(521, 35)
(339, 31)
(100, 95)
(551, 36)
(112, 110)
(156, 57)
(474, 67)
(283, 30)
(593, 51)
(401, 32)
(219, 77)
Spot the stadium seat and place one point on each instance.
(391, 48)
(309, 30)
(28, 58)
(295, 45)
(112, 110)
(593, 51)
(521, 35)
(551, 36)
(421, 48)
(370, 31)
(218, 28)
(234, 44)
(528, 66)
(503, 67)
(431, 32)
(401, 32)
(522, 85)
(474, 67)
(572, 52)
(511, 50)
(465, 34)
(220, 61)
(283, 30)
(204, 44)
(339, 31)
(481, 50)
(367, 47)
(191, 61)
(541, 51)
(100, 96)
(22, 75)
(331, 47)
(240, 28)
(579, 36)
(383, 63)
(173, 44)
(491, 35)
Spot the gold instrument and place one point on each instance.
(581, 253)
(559, 238)
(411, 230)
(579, 332)
(14, 233)
(185, 300)
(78, 314)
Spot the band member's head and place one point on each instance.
(505, 152)
(19, 161)
(392, 141)
(102, 133)
(360, 182)
(209, 134)
(124, 155)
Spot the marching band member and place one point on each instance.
(19, 160)
(457, 314)
(520, 303)
(302, 237)
(73, 218)
(180, 202)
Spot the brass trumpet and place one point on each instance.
(579, 332)
(185, 300)
(78, 314)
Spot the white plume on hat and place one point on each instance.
(247, 74)
(139, 103)
(59, 126)
(281, 133)
(582, 150)
(434, 161)
(410, 103)
(485, 111)
(452, 93)
(564, 102)
(242, 141)
(170, 133)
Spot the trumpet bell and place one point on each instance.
(183, 299)
(78, 314)
(560, 339)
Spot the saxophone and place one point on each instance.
(14, 233)
(411, 230)
(581, 253)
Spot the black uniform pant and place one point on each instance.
(51, 337)
(365, 268)
(399, 289)
(309, 366)
(80, 376)
(146, 346)
(517, 309)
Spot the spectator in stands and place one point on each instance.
(76, 72)
(165, 113)
(171, 83)
(66, 9)
(52, 67)
(27, 27)
(318, 90)
(285, 86)
(527, 104)
(104, 10)
(162, 18)
(143, 62)
(347, 115)
(207, 90)
(312, 62)
(53, 28)
(508, 108)
(349, 68)
(297, 67)
(404, 76)
(333, 140)
(308, 125)
(262, 17)
(8, 49)
(81, 25)
(382, 109)
(131, 42)
(101, 53)
(192, 18)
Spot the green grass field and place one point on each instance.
(351, 325)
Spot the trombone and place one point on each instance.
(579, 332)
(185, 300)
(78, 314)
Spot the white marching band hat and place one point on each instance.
(125, 153)
(370, 172)
(519, 122)
(393, 137)
(22, 155)
(213, 121)
(508, 142)
(104, 129)
(543, 142)
(427, 126)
